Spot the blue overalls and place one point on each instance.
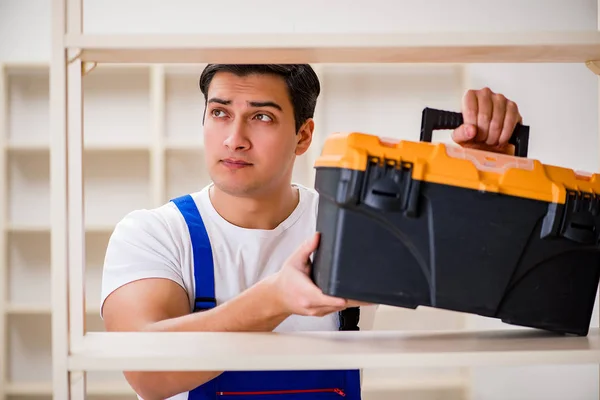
(254, 385)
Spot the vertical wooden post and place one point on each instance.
(157, 150)
(75, 199)
(320, 133)
(75, 215)
(58, 202)
(3, 228)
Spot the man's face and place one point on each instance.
(249, 134)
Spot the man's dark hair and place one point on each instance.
(301, 80)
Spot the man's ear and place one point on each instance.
(304, 136)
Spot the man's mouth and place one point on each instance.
(235, 163)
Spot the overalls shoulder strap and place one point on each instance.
(204, 272)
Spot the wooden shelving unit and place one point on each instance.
(146, 148)
(26, 301)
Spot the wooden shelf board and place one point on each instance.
(27, 228)
(183, 145)
(34, 228)
(109, 388)
(419, 383)
(170, 145)
(123, 388)
(25, 147)
(329, 350)
(29, 388)
(42, 309)
(28, 309)
(27, 66)
(100, 228)
(45, 388)
(446, 47)
(116, 146)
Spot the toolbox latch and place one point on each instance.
(389, 186)
(577, 220)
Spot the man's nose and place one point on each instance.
(237, 138)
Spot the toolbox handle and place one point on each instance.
(440, 119)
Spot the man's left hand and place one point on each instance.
(489, 121)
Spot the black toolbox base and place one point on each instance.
(452, 248)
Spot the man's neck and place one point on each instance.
(251, 213)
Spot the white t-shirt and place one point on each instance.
(155, 243)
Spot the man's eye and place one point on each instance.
(218, 113)
(263, 117)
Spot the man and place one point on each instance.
(246, 239)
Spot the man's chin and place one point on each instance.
(237, 189)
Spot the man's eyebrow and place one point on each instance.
(265, 104)
(251, 103)
(220, 101)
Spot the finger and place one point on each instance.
(303, 267)
(322, 311)
(313, 296)
(355, 303)
(464, 133)
(469, 108)
(484, 114)
(301, 256)
(497, 121)
(511, 119)
(329, 310)
(495, 149)
(319, 299)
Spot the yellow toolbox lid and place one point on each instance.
(459, 166)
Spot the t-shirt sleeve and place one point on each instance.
(141, 246)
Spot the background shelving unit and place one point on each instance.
(26, 300)
(143, 146)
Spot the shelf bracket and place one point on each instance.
(86, 66)
(75, 57)
(593, 66)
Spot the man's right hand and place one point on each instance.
(296, 293)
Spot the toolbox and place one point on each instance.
(416, 223)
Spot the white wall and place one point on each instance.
(560, 102)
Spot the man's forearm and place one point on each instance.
(253, 310)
